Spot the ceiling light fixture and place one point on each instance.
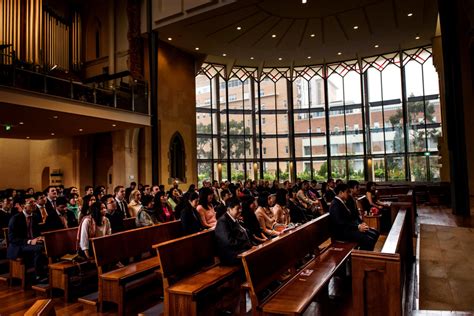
(54, 67)
(55, 117)
(339, 53)
(410, 14)
(239, 28)
(52, 134)
(304, 1)
(80, 130)
(170, 38)
(376, 45)
(27, 137)
(21, 123)
(309, 57)
(224, 54)
(417, 38)
(251, 58)
(274, 35)
(197, 48)
(279, 58)
(113, 125)
(313, 35)
(356, 27)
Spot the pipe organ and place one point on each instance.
(39, 36)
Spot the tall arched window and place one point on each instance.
(177, 158)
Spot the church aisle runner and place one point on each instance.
(446, 268)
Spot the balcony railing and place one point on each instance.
(127, 94)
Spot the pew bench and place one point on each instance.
(378, 278)
(189, 270)
(17, 267)
(58, 243)
(109, 250)
(276, 271)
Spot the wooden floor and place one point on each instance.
(14, 301)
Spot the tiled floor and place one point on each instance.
(446, 268)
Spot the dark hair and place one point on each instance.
(87, 187)
(281, 197)
(224, 192)
(369, 185)
(46, 191)
(192, 188)
(38, 194)
(96, 213)
(262, 199)
(85, 204)
(203, 194)
(72, 195)
(117, 188)
(157, 197)
(341, 187)
(233, 203)
(146, 199)
(352, 183)
(133, 183)
(330, 180)
(105, 198)
(61, 201)
(324, 187)
(193, 196)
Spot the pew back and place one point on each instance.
(379, 277)
(199, 249)
(113, 248)
(268, 262)
(60, 242)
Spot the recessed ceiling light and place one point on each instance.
(52, 134)
(410, 14)
(113, 125)
(251, 58)
(224, 54)
(239, 28)
(417, 38)
(80, 130)
(309, 57)
(21, 123)
(376, 45)
(279, 58)
(55, 117)
(274, 35)
(170, 38)
(339, 53)
(356, 27)
(27, 137)
(304, 1)
(197, 48)
(313, 35)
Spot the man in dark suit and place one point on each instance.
(24, 239)
(344, 226)
(51, 196)
(222, 207)
(61, 217)
(232, 238)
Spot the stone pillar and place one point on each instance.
(125, 157)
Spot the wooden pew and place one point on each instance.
(109, 250)
(129, 223)
(57, 244)
(189, 269)
(41, 308)
(408, 202)
(378, 278)
(265, 266)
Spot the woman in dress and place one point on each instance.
(95, 224)
(205, 208)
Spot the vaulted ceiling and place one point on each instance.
(290, 33)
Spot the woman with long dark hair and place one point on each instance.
(265, 215)
(164, 212)
(95, 224)
(280, 210)
(88, 200)
(249, 206)
(205, 208)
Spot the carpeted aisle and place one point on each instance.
(446, 273)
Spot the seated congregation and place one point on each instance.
(215, 240)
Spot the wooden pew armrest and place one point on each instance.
(132, 269)
(194, 284)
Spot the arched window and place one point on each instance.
(177, 158)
